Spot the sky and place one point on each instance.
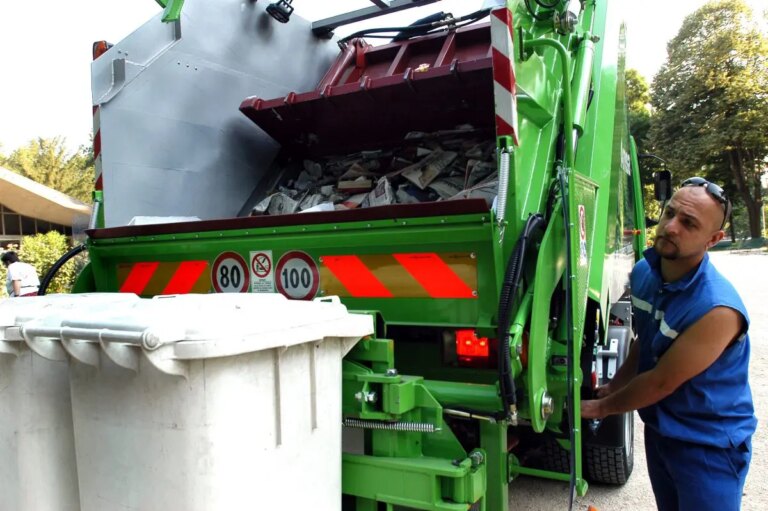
(45, 52)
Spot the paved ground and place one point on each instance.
(749, 273)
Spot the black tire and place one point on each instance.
(609, 456)
(608, 465)
(603, 464)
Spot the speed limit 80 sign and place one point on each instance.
(296, 275)
(230, 274)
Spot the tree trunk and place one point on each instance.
(755, 212)
(752, 202)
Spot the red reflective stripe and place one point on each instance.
(185, 277)
(434, 275)
(504, 15)
(97, 144)
(99, 183)
(503, 128)
(356, 277)
(139, 277)
(502, 70)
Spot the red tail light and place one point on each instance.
(469, 345)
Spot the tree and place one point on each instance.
(47, 162)
(640, 116)
(711, 101)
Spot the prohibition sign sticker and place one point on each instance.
(297, 275)
(262, 275)
(230, 273)
(261, 264)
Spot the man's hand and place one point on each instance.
(604, 390)
(592, 409)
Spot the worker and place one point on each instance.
(22, 277)
(687, 372)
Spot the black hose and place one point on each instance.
(414, 30)
(569, 335)
(540, 17)
(509, 291)
(428, 20)
(51, 273)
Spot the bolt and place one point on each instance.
(391, 372)
(366, 397)
(477, 458)
(547, 406)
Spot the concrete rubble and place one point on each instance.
(427, 167)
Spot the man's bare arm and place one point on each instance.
(16, 287)
(691, 354)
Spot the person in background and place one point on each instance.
(687, 372)
(22, 278)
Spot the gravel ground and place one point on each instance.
(747, 271)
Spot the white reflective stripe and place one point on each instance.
(641, 304)
(659, 314)
(665, 330)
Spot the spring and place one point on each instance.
(414, 427)
(501, 204)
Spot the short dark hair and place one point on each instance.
(10, 257)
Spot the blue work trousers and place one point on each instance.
(694, 477)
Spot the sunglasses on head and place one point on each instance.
(714, 190)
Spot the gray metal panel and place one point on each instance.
(173, 140)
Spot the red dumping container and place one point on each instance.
(373, 95)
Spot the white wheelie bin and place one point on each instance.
(38, 471)
(210, 402)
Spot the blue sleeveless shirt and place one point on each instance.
(715, 407)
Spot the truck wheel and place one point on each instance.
(610, 454)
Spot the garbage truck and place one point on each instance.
(468, 182)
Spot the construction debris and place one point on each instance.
(428, 167)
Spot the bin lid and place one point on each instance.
(169, 329)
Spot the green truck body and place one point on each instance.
(429, 424)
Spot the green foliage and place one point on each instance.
(42, 251)
(640, 118)
(46, 161)
(711, 101)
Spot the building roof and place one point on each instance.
(35, 200)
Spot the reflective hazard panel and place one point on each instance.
(164, 278)
(403, 275)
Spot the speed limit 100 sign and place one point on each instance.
(230, 273)
(297, 276)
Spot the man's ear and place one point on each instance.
(715, 239)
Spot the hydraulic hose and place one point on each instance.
(509, 291)
(51, 273)
(432, 18)
(407, 32)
